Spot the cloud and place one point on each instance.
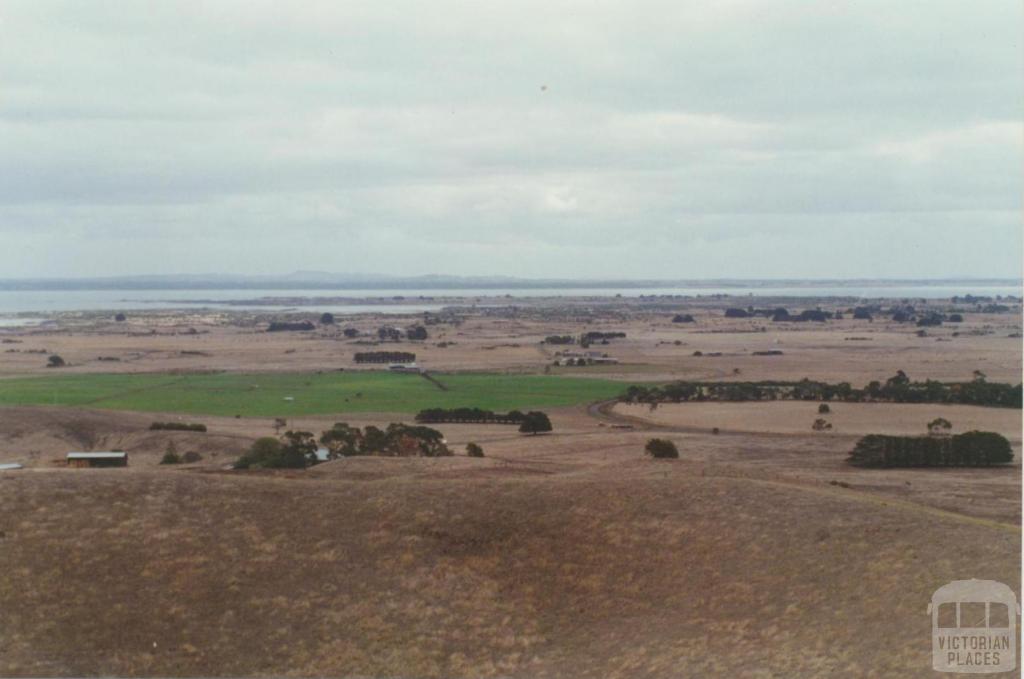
(535, 138)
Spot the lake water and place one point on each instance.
(417, 301)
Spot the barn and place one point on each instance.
(108, 459)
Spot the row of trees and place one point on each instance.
(477, 415)
(971, 449)
(177, 426)
(281, 326)
(384, 357)
(897, 389)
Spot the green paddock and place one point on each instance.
(284, 394)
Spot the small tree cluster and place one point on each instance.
(972, 449)
(661, 449)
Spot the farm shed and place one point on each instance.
(111, 459)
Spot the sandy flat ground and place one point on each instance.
(796, 417)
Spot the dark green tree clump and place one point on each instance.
(535, 422)
(683, 318)
(295, 450)
(384, 357)
(171, 454)
(972, 449)
(736, 313)
(417, 333)
(55, 361)
(327, 318)
(662, 449)
(397, 440)
(177, 426)
(474, 450)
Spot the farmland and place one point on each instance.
(265, 394)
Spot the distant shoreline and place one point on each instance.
(423, 283)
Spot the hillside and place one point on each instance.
(653, 570)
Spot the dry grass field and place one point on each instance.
(758, 553)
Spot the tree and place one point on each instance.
(326, 318)
(171, 454)
(661, 449)
(342, 440)
(473, 450)
(417, 332)
(264, 452)
(55, 361)
(298, 449)
(535, 422)
(824, 409)
(939, 426)
(350, 332)
(279, 424)
(120, 318)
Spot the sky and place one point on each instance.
(585, 139)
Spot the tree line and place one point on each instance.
(533, 422)
(384, 357)
(897, 389)
(971, 449)
(475, 415)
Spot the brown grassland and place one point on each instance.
(759, 553)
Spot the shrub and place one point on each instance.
(736, 313)
(683, 318)
(824, 408)
(939, 426)
(55, 361)
(350, 332)
(473, 450)
(326, 318)
(821, 425)
(661, 449)
(120, 318)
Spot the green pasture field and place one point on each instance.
(263, 394)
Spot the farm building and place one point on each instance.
(108, 459)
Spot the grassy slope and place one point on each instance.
(314, 393)
(651, 573)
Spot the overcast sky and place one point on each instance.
(678, 139)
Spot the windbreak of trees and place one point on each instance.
(897, 389)
(397, 440)
(597, 336)
(560, 339)
(280, 326)
(177, 426)
(475, 415)
(971, 449)
(384, 357)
